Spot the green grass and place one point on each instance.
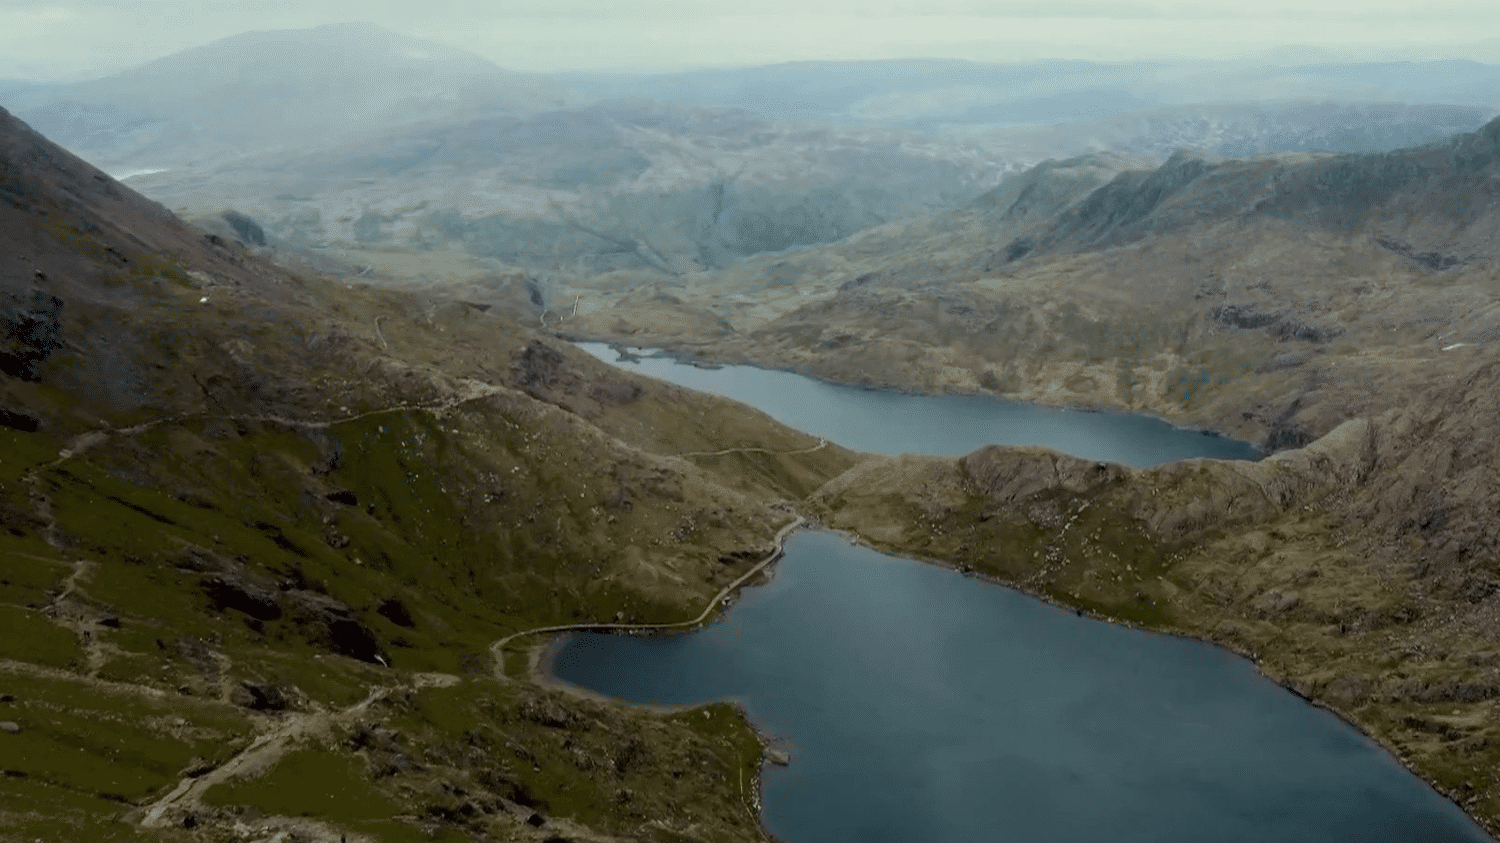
(311, 783)
(91, 740)
(32, 809)
(26, 572)
(28, 636)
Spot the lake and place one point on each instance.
(922, 705)
(886, 422)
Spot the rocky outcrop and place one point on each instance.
(29, 331)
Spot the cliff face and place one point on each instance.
(244, 511)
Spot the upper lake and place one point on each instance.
(886, 422)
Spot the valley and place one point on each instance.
(301, 464)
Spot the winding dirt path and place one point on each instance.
(469, 390)
(822, 443)
(497, 649)
(268, 748)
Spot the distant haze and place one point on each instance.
(75, 39)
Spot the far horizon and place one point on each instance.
(76, 40)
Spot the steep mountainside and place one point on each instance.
(259, 531)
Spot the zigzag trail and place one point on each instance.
(470, 390)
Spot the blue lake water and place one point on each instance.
(922, 705)
(885, 422)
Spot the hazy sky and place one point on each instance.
(52, 39)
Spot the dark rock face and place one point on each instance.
(1435, 261)
(1292, 329)
(618, 393)
(1285, 437)
(396, 612)
(229, 592)
(1242, 316)
(19, 421)
(1019, 248)
(1281, 326)
(324, 620)
(343, 496)
(330, 623)
(1131, 198)
(548, 713)
(260, 697)
(538, 367)
(245, 228)
(30, 331)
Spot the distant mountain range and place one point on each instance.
(937, 92)
(355, 137)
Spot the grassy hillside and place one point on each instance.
(260, 531)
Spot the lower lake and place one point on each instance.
(923, 706)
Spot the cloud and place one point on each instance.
(73, 38)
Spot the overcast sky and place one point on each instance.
(70, 39)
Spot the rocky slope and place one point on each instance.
(259, 531)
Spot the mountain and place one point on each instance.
(938, 92)
(1242, 129)
(614, 185)
(277, 90)
(357, 140)
(629, 185)
(258, 532)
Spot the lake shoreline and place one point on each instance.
(685, 356)
(1234, 647)
(1229, 647)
